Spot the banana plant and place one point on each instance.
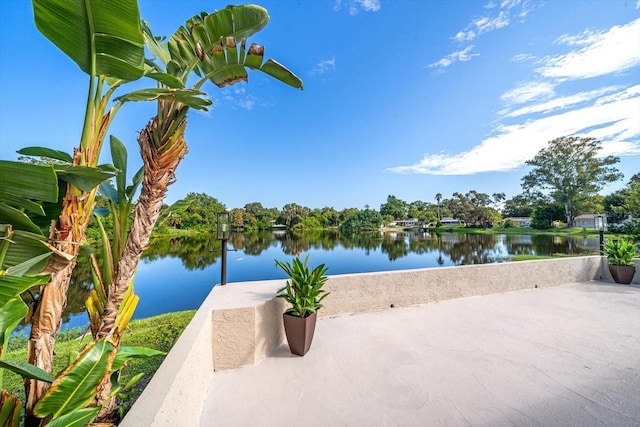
(104, 39)
(206, 46)
(121, 201)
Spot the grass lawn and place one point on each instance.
(159, 332)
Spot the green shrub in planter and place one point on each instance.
(620, 252)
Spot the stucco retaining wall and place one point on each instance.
(241, 323)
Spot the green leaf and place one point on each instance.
(33, 182)
(102, 37)
(12, 286)
(18, 219)
(208, 44)
(110, 193)
(134, 380)
(167, 79)
(125, 354)
(137, 179)
(24, 268)
(46, 152)
(84, 177)
(178, 207)
(79, 418)
(27, 370)
(119, 157)
(11, 313)
(280, 72)
(22, 204)
(10, 410)
(22, 247)
(189, 97)
(76, 387)
(157, 46)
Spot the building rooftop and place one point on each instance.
(567, 355)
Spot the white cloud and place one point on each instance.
(614, 122)
(612, 51)
(585, 38)
(354, 6)
(247, 103)
(464, 36)
(497, 17)
(461, 55)
(638, 5)
(485, 24)
(510, 4)
(324, 66)
(523, 57)
(529, 92)
(560, 103)
(369, 5)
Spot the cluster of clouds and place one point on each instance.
(355, 6)
(499, 15)
(546, 106)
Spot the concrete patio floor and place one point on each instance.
(559, 356)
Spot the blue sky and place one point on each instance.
(408, 98)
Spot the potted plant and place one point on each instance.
(304, 292)
(620, 254)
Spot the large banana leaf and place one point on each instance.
(22, 252)
(23, 183)
(76, 387)
(12, 286)
(190, 97)
(10, 410)
(27, 370)
(48, 153)
(83, 177)
(11, 313)
(79, 418)
(125, 354)
(208, 44)
(102, 37)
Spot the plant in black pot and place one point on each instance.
(304, 292)
(620, 254)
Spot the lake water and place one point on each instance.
(177, 274)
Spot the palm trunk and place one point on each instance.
(65, 236)
(162, 147)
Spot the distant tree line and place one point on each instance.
(563, 183)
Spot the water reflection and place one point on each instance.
(177, 274)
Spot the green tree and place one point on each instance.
(518, 206)
(237, 217)
(438, 200)
(570, 170)
(346, 213)
(473, 208)
(202, 212)
(543, 216)
(293, 213)
(394, 207)
(365, 220)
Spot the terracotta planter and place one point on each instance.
(299, 331)
(622, 274)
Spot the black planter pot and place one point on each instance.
(622, 274)
(299, 331)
